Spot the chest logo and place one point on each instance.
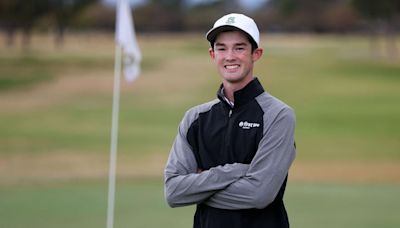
(247, 125)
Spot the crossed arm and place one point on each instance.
(232, 186)
(184, 185)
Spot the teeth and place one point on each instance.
(231, 67)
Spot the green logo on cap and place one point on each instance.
(231, 20)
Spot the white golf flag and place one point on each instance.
(126, 38)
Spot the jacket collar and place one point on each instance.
(243, 96)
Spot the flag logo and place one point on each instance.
(126, 38)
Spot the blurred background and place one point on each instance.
(336, 62)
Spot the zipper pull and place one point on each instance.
(230, 113)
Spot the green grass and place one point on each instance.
(140, 203)
(343, 205)
(346, 105)
(345, 101)
(29, 68)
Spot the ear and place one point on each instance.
(212, 53)
(257, 54)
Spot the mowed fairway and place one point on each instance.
(55, 119)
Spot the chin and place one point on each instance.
(233, 79)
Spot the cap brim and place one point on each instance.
(212, 34)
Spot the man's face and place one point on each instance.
(233, 57)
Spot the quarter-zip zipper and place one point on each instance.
(227, 136)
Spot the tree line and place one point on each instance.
(24, 15)
(315, 16)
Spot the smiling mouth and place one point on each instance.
(232, 67)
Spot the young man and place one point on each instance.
(231, 156)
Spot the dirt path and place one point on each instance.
(57, 90)
(67, 165)
(346, 171)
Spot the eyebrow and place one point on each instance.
(241, 44)
(236, 44)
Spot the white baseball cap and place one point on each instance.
(236, 21)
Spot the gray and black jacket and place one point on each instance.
(233, 161)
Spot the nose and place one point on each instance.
(230, 55)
